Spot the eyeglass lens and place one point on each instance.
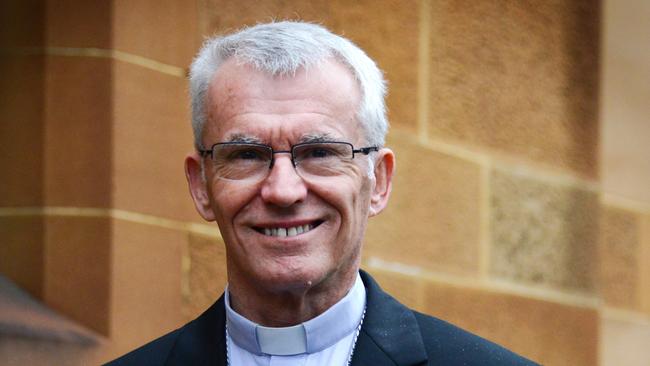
(252, 161)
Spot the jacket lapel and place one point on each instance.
(202, 342)
(390, 334)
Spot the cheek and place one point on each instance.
(344, 169)
(229, 199)
(350, 197)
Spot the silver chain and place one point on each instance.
(356, 336)
(354, 342)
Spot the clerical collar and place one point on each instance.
(311, 336)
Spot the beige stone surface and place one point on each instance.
(77, 137)
(409, 290)
(146, 281)
(386, 30)
(152, 135)
(77, 269)
(433, 216)
(21, 130)
(519, 78)
(644, 268)
(620, 263)
(624, 342)
(22, 252)
(163, 30)
(78, 23)
(21, 23)
(624, 107)
(543, 233)
(207, 274)
(222, 16)
(546, 332)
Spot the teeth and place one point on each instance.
(284, 232)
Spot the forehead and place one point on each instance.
(244, 101)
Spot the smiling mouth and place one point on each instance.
(282, 232)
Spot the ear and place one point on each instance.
(384, 169)
(198, 186)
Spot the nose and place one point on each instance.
(283, 186)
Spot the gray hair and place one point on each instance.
(282, 48)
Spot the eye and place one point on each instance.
(236, 153)
(246, 154)
(318, 152)
(325, 153)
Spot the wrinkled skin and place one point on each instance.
(279, 281)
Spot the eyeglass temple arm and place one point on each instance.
(366, 150)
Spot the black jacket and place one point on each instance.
(391, 335)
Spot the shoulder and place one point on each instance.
(410, 337)
(448, 344)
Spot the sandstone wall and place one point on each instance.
(512, 215)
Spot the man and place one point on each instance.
(289, 123)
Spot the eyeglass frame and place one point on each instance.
(366, 150)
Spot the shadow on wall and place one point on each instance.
(32, 333)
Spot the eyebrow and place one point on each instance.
(240, 137)
(320, 137)
(312, 137)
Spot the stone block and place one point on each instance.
(21, 23)
(644, 268)
(152, 135)
(519, 78)
(624, 94)
(624, 342)
(625, 140)
(165, 31)
(77, 269)
(207, 275)
(619, 261)
(78, 136)
(77, 23)
(21, 130)
(543, 233)
(546, 332)
(22, 252)
(222, 16)
(146, 282)
(388, 32)
(432, 220)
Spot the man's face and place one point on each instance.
(248, 105)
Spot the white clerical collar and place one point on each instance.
(311, 336)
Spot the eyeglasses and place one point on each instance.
(250, 162)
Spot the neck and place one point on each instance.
(287, 306)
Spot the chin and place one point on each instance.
(293, 278)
